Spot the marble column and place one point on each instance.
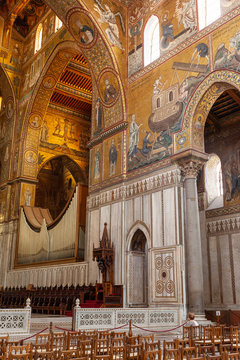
(193, 251)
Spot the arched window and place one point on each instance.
(38, 39)
(170, 96)
(58, 24)
(213, 182)
(151, 40)
(208, 12)
(158, 102)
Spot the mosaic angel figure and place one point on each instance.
(107, 16)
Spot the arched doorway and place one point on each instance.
(220, 181)
(138, 270)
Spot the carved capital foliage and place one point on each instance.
(190, 167)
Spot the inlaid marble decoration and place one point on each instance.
(165, 274)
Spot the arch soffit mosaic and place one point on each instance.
(6, 130)
(99, 56)
(38, 104)
(192, 134)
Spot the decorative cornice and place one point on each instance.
(231, 224)
(109, 132)
(223, 211)
(131, 189)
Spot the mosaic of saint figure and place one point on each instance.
(85, 32)
(97, 160)
(133, 137)
(112, 159)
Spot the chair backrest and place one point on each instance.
(73, 338)
(19, 349)
(102, 346)
(173, 354)
(189, 352)
(148, 339)
(134, 351)
(58, 341)
(119, 352)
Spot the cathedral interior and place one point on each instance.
(120, 151)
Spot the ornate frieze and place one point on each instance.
(227, 225)
(131, 189)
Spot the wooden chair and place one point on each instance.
(206, 350)
(48, 355)
(134, 351)
(152, 351)
(232, 356)
(120, 334)
(23, 352)
(73, 338)
(104, 335)
(86, 348)
(118, 341)
(225, 348)
(147, 339)
(215, 357)
(171, 354)
(101, 347)
(69, 354)
(58, 341)
(119, 352)
(236, 341)
(134, 339)
(189, 352)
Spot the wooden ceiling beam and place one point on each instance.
(213, 121)
(83, 74)
(70, 95)
(233, 95)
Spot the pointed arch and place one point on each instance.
(192, 134)
(138, 225)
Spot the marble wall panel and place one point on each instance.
(169, 217)
(157, 218)
(147, 210)
(215, 283)
(129, 214)
(105, 217)
(117, 239)
(137, 208)
(226, 270)
(94, 231)
(236, 264)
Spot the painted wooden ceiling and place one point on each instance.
(224, 111)
(74, 88)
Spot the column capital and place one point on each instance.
(190, 163)
(190, 167)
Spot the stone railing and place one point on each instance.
(115, 317)
(15, 321)
(56, 275)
